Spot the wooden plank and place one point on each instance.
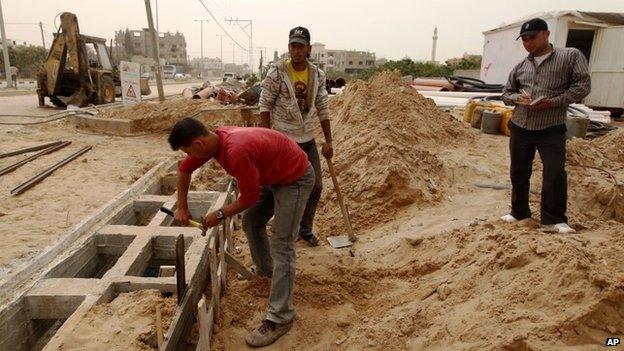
(214, 281)
(222, 263)
(205, 326)
(159, 328)
(180, 268)
(238, 267)
(183, 320)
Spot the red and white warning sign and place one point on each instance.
(130, 92)
(130, 74)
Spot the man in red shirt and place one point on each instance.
(275, 178)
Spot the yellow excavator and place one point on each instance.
(78, 70)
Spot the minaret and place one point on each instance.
(435, 43)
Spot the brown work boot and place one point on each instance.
(267, 333)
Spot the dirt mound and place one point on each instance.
(495, 286)
(386, 140)
(538, 286)
(159, 110)
(594, 169)
(150, 116)
(128, 322)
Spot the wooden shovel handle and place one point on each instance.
(343, 208)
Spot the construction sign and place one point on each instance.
(130, 74)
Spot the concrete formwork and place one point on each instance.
(247, 116)
(122, 254)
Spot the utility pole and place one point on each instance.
(249, 35)
(201, 26)
(155, 56)
(42, 37)
(5, 51)
(157, 28)
(221, 38)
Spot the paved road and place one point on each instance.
(27, 104)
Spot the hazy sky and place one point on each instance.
(391, 28)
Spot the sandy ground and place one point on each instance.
(126, 323)
(450, 276)
(35, 219)
(434, 268)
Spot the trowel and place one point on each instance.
(340, 241)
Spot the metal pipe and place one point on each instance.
(39, 177)
(204, 93)
(187, 93)
(29, 149)
(16, 165)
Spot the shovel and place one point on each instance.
(340, 241)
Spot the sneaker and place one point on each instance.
(563, 228)
(311, 239)
(267, 333)
(509, 218)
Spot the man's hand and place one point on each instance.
(182, 216)
(542, 105)
(327, 150)
(523, 100)
(211, 220)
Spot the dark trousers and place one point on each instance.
(305, 228)
(550, 143)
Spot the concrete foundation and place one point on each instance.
(124, 253)
(246, 116)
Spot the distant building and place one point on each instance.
(239, 70)
(208, 66)
(348, 61)
(130, 42)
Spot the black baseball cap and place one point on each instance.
(532, 27)
(299, 35)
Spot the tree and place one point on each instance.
(27, 58)
(408, 67)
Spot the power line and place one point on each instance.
(220, 26)
(221, 12)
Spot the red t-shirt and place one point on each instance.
(256, 157)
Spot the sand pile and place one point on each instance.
(151, 116)
(126, 323)
(594, 168)
(386, 139)
(491, 287)
(508, 287)
(159, 110)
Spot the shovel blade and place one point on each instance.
(339, 241)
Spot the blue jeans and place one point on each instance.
(305, 229)
(276, 255)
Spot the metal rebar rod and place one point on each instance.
(29, 149)
(16, 165)
(39, 177)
